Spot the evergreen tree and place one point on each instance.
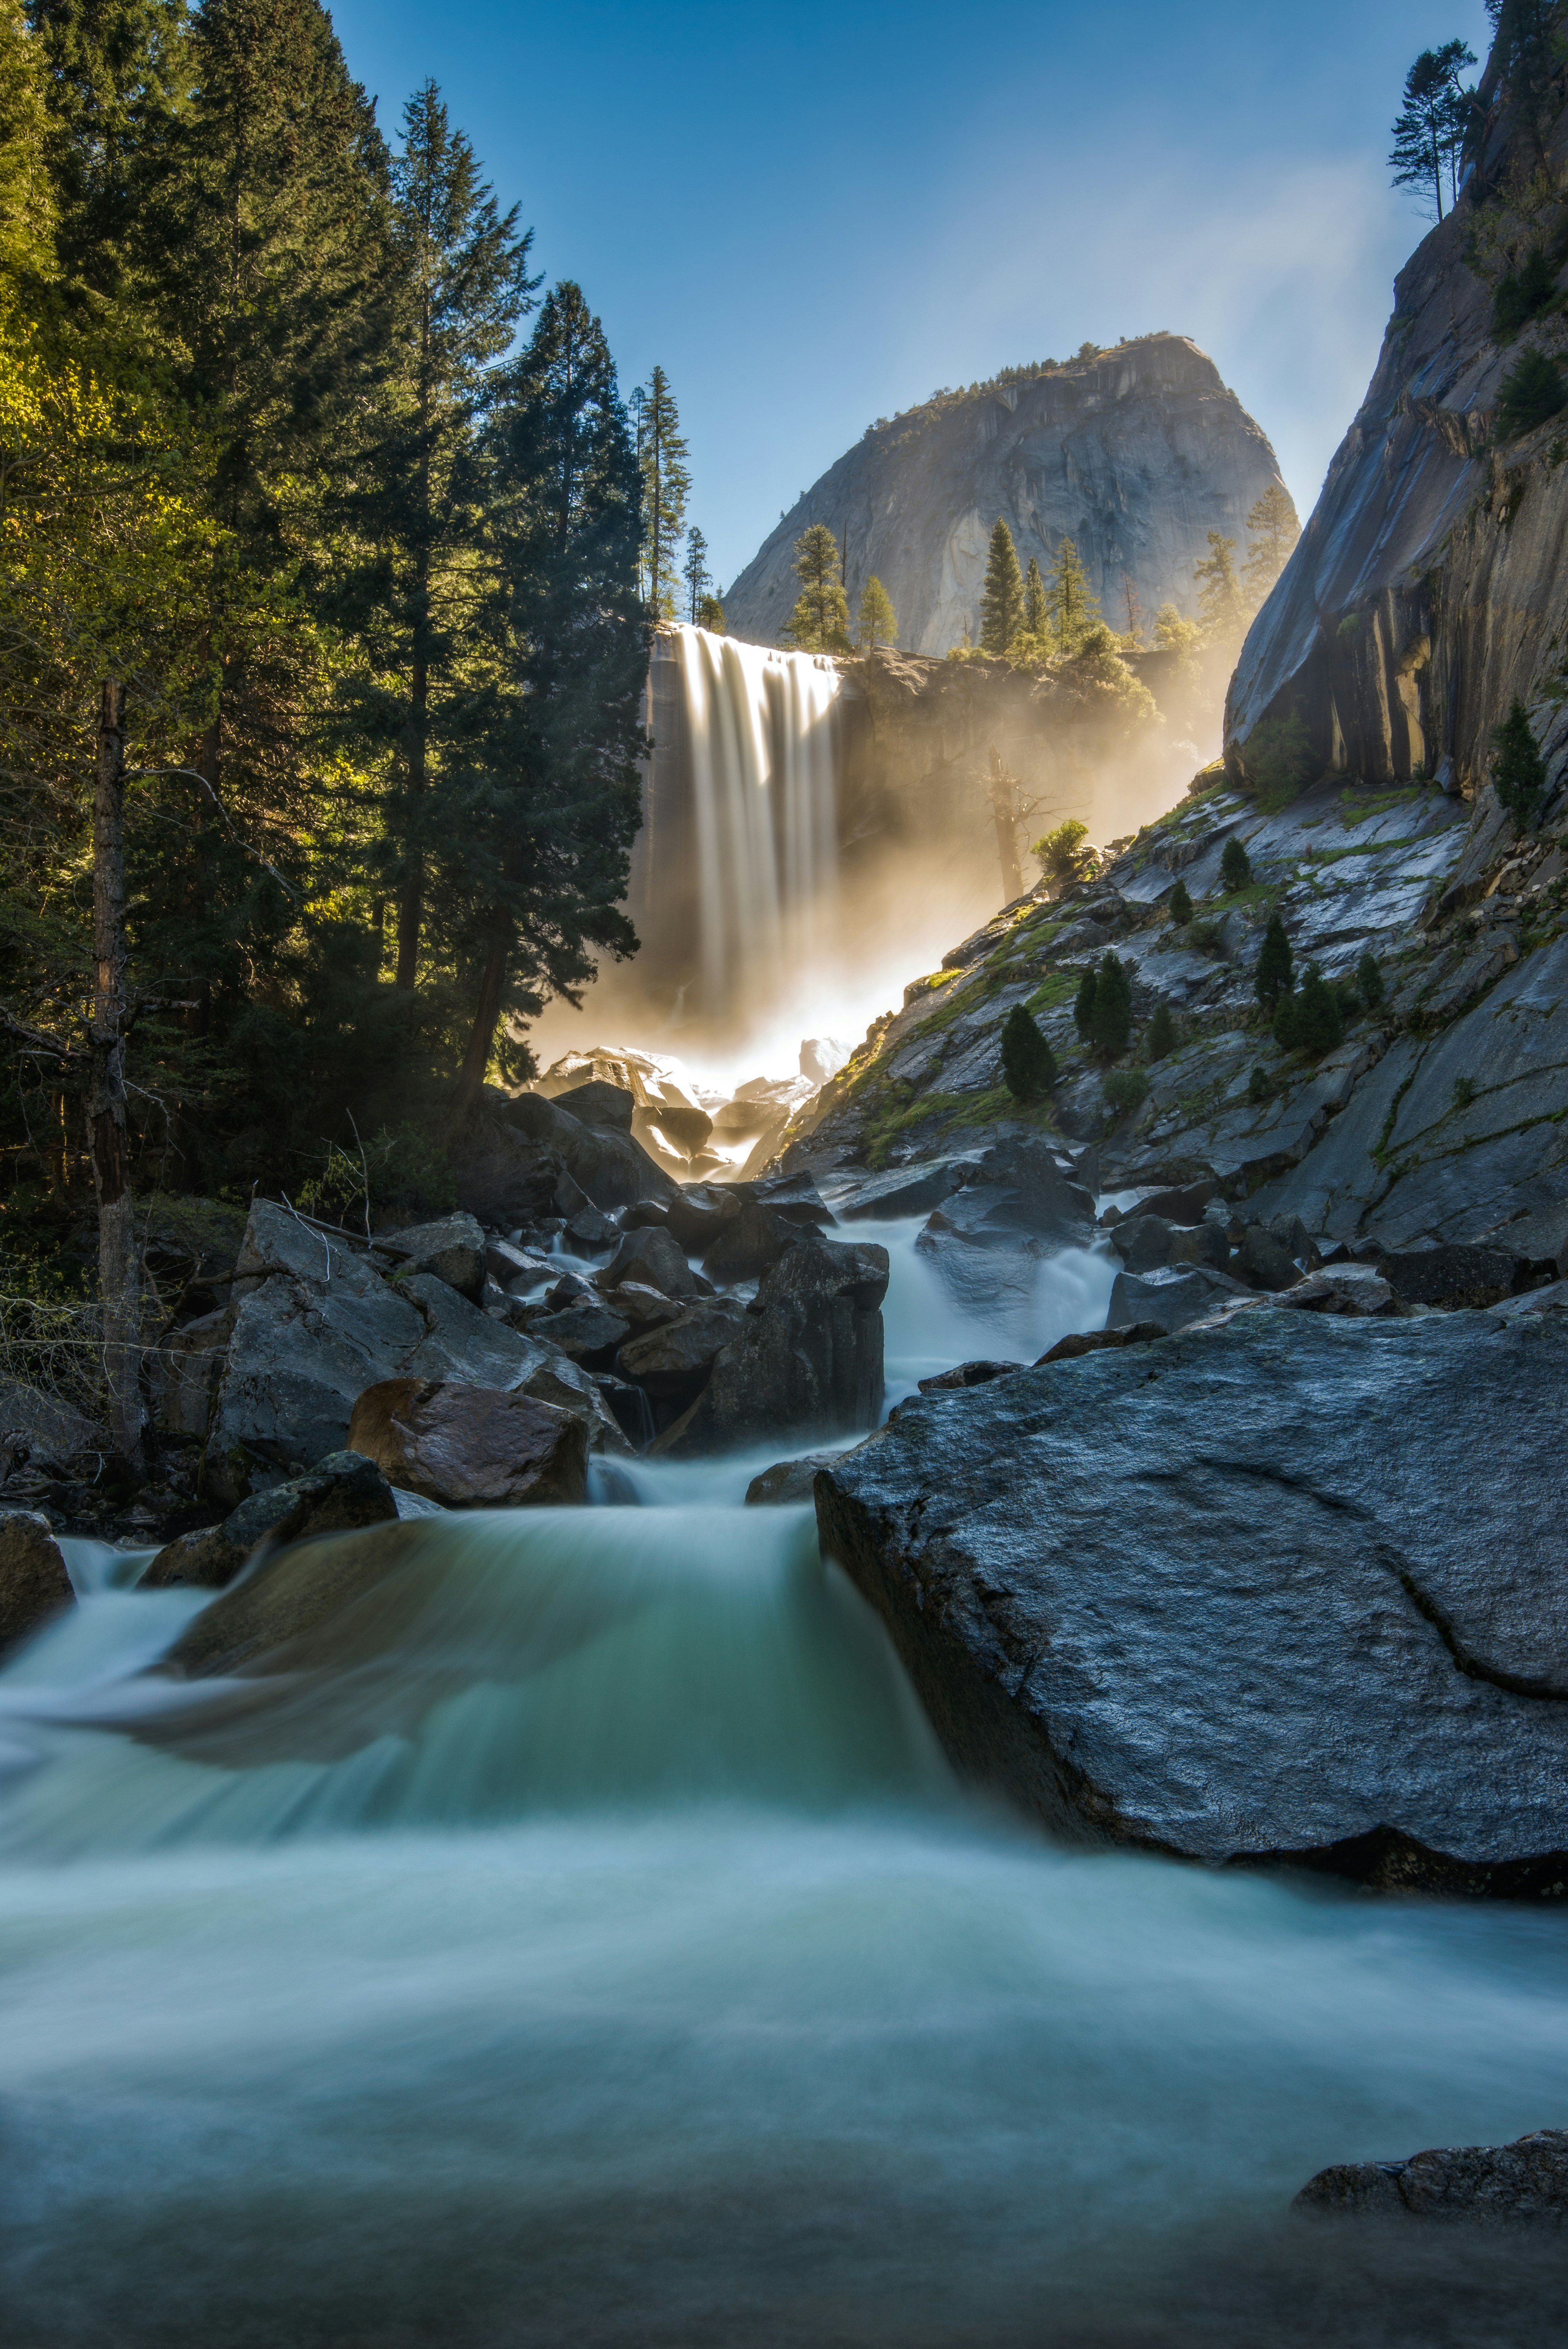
(1159, 1040)
(1028, 1063)
(878, 623)
(1520, 294)
(821, 620)
(547, 831)
(1309, 1019)
(116, 75)
(1275, 530)
(1002, 597)
(695, 572)
(1533, 392)
(1275, 967)
(1172, 634)
(1221, 604)
(1518, 769)
(1065, 853)
(666, 484)
(1180, 905)
(1083, 1005)
(1070, 609)
(1369, 980)
(1034, 619)
(711, 616)
(1430, 126)
(1235, 866)
(1111, 1019)
(466, 288)
(30, 209)
(1526, 48)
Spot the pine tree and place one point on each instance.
(878, 623)
(695, 572)
(1083, 1005)
(1002, 597)
(1028, 1063)
(1172, 634)
(1275, 965)
(666, 484)
(1309, 1019)
(29, 207)
(1369, 980)
(1531, 393)
(1070, 609)
(821, 620)
(1235, 866)
(116, 75)
(1275, 530)
(465, 268)
(1159, 1040)
(1181, 903)
(1034, 600)
(547, 831)
(1110, 1020)
(1518, 769)
(1431, 123)
(711, 616)
(1525, 49)
(1221, 604)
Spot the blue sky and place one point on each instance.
(815, 215)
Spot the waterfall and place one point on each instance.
(735, 892)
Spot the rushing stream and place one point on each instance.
(595, 1948)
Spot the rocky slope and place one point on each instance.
(1135, 454)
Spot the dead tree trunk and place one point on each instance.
(118, 1284)
(1005, 811)
(481, 1036)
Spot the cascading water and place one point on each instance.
(582, 1941)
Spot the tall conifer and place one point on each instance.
(666, 484)
(1034, 600)
(1070, 608)
(1002, 597)
(821, 620)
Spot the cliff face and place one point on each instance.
(1430, 586)
(1135, 455)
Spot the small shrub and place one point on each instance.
(1110, 1017)
(1277, 969)
(408, 1174)
(1349, 998)
(1464, 1092)
(1065, 854)
(1235, 866)
(1522, 294)
(1533, 392)
(1207, 938)
(1369, 980)
(1083, 1005)
(1126, 1090)
(1308, 1019)
(1159, 1037)
(1518, 769)
(1260, 1086)
(1028, 1063)
(1279, 757)
(1180, 905)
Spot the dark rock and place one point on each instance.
(655, 1261)
(1022, 1194)
(967, 1374)
(1453, 1277)
(1171, 1297)
(809, 1355)
(1143, 1241)
(1185, 1205)
(904, 1190)
(472, 1447)
(569, 1290)
(1072, 1347)
(644, 1307)
(754, 1238)
(1296, 1240)
(515, 1267)
(598, 1103)
(251, 1628)
(642, 1212)
(697, 1215)
(452, 1250)
(610, 1168)
(1342, 1291)
(673, 1361)
(191, 1359)
(34, 1584)
(586, 1331)
(794, 1196)
(503, 1176)
(1262, 1261)
(788, 1483)
(1228, 1600)
(684, 1127)
(342, 1492)
(1523, 2183)
(592, 1229)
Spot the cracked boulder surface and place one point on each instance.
(1286, 1589)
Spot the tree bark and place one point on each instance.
(1005, 811)
(118, 1268)
(481, 1036)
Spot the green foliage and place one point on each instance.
(1274, 529)
(711, 616)
(1028, 1063)
(1083, 1005)
(1369, 980)
(1276, 966)
(1064, 855)
(878, 623)
(1160, 1036)
(1531, 393)
(1260, 1087)
(1432, 124)
(1464, 1092)
(821, 620)
(1235, 866)
(1070, 609)
(1172, 634)
(401, 1174)
(1110, 1015)
(1309, 1018)
(666, 485)
(1034, 600)
(1221, 607)
(1002, 595)
(695, 572)
(1279, 757)
(1180, 905)
(1522, 294)
(1518, 769)
(1126, 1090)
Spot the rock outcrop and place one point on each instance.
(809, 1358)
(471, 1447)
(1258, 1591)
(34, 1584)
(1134, 454)
(341, 1493)
(1524, 2183)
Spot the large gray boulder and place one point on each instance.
(1521, 2184)
(1173, 1297)
(1292, 1587)
(809, 1358)
(453, 1249)
(471, 1447)
(34, 1584)
(344, 1491)
(672, 1363)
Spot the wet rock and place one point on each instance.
(1072, 1347)
(1342, 1290)
(515, 1267)
(966, 1374)
(788, 1483)
(1172, 1296)
(453, 1250)
(1524, 2183)
(251, 1628)
(590, 1227)
(651, 1257)
(34, 1584)
(697, 1217)
(610, 1168)
(44, 1427)
(342, 1492)
(597, 1103)
(1230, 1600)
(794, 1196)
(1450, 1277)
(472, 1447)
(1263, 1262)
(1022, 1195)
(904, 1190)
(1185, 1205)
(809, 1355)
(754, 1239)
(587, 1331)
(672, 1363)
(191, 1359)
(644, 1307)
